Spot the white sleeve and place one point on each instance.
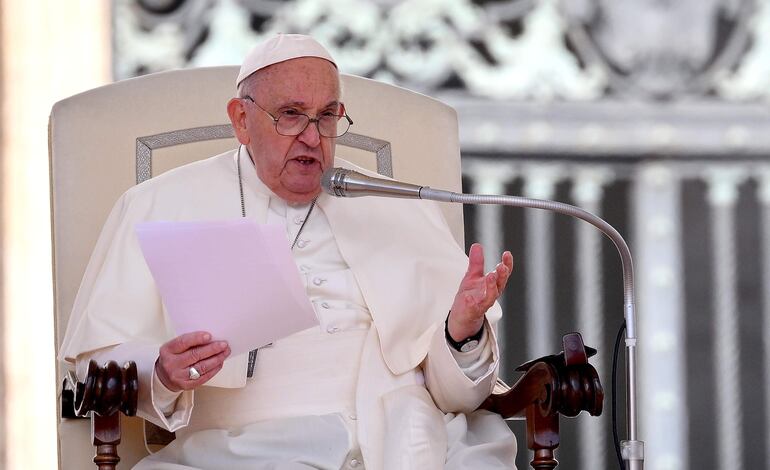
(475, 363)
(460, 382)
(163, 398)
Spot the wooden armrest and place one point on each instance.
(560, 384)
(106, 392)
(564, 384)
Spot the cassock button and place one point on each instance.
(355, 463)
(318, 281)
(325, 305)
(353, 416)
(298, 220)
(332, 329)
(302, 243)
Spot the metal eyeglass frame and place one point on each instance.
(310, 120)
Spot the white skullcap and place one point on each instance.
(280, 48)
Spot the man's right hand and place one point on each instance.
(190, 350)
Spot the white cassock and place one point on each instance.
(366, 389)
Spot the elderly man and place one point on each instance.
(388, 381)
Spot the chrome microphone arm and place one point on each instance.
(632, 449)
(343, 182)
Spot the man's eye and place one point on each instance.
(328, 114)
(290, 112)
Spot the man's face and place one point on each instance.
(291, 166)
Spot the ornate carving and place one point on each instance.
(659, 48)
(430, 45)
(514, 49)
(559, 384)
(105, 392)
(752, 77)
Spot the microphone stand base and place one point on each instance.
(633, 454)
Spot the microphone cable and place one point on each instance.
(614, 405)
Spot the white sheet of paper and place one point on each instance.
(234, 278)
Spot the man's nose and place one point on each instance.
(310, 136)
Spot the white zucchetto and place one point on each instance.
(280, 48)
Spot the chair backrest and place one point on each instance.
(105, 140)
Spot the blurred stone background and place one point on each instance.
(651, 113)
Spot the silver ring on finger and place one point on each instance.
(193, 373)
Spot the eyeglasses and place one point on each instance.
(291, 122)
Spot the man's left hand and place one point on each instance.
(477, 293)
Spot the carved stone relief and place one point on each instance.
(515, 49)
(659, 48)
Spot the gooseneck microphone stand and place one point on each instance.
(347, 183)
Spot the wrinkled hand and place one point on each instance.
(190, 349)
(477, 293)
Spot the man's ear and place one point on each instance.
(237, 114)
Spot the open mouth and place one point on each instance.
(307, 161)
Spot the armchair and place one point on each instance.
(105, 140)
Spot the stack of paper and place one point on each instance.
(233, 278)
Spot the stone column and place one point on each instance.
(3, 183)
(661, 315)
(50, 50)
(763, 183)
(491, 178)
(587, 190)
(722, 197)
(540, 184)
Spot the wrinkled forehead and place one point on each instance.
(301, 79)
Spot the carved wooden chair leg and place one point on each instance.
(542, 438)
(105, 435)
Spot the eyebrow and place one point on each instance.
(302, 104)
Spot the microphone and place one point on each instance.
(341, 182)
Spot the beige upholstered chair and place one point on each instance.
(105, 140)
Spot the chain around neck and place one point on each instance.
(243, 203)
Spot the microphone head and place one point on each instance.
(341, 182)
(332, 181)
